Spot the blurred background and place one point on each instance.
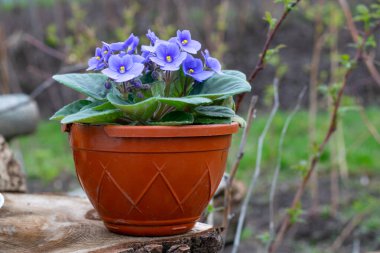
(39, 38)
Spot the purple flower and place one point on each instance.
(194, 67)
(186, 43)
(123, 68)
(96, 62)
(128, 46)
(146, 55)
(152, 37)
(168, 56)
(106, 51)
(211, 62)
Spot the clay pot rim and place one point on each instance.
(163, 131)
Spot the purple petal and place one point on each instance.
(136, 69)
(184, 35)
(171, 67)
(158, 61)
(201, 76)
(192, 47)
(151, 36)
(178, 61)
(147, 48)
(174, 40)
(115, 62)
(138, 58)
(161, 51)
(110, 73)
(92, 63)
(172, 50)
(127, 61)
(214, 64)
(205, 54)
(124, 77)
(117, 46)
(198, 65)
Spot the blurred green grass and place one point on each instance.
(47, 152)
(362, 150)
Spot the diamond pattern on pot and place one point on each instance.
(183, 187)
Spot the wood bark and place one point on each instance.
(12, 179)
(54, 223)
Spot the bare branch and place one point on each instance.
(44, 48)
(347, 230)
(42, 87)
(279, 159)
(286, 224)
(256, 174)
(235, 166)
(355, 37)
(261, 63)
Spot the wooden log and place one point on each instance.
(18, 115)
(53, 223)
(12, 178)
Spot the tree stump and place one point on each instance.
(12, 179)
(54, 223)
(18, 115)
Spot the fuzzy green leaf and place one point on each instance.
(140, 111)
(227, 84)
(211, 120)
(91, 85)
(175, 118)
(215, 111)
(104, 113)
(158, 89)
(72, 108)
(181, 103)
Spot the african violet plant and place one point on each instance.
(164, 84)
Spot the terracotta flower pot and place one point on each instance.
(150, 180)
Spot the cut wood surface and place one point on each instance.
(12, 179)
(55, 223)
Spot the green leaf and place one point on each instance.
(211, 120)
(183, 102)
(93, 116)
(215, 111)
(240, 121)
(158, 89)
(71, 108)
(140, 111)
(91, 85)
(227, 84)
(235, 73)
(175, 118)
(147, 78)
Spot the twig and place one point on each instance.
(256, 174)
(371, 128)
(41, 46)
(279, 159)
(347, 230)
(235, 166)
(42, 87)
(355, 37)
(261, 63)
(319, 40)
(286, 224)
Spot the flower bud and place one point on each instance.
(155, 75)
(107, 85)
(136, 83)
(139, 94)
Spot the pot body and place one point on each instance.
(147, 180)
